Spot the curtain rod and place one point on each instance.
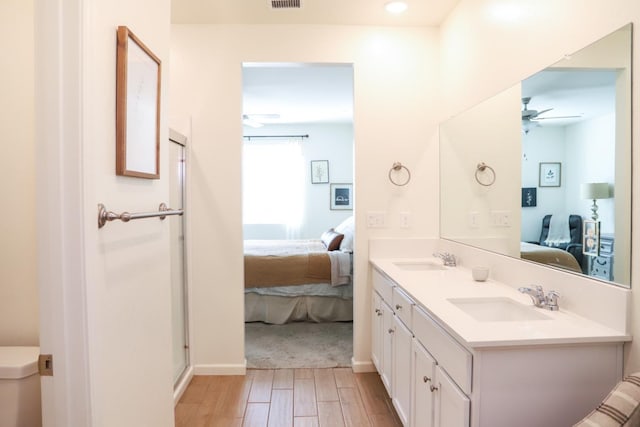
(274, 136)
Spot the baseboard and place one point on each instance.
(359, 366)
(221, 369)
(179, 389)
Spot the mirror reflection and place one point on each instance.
(559, 145)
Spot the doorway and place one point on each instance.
(297, 186)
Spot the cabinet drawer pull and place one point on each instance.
(398, 307)
(391, 330)
(426, 379)
(433, 388)
(378, 311)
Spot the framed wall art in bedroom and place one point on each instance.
(341, 196)
(319, 171)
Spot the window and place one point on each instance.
(273, 183)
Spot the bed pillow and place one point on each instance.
(332, 239)
(346, 227)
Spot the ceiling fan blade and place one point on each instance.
(556, 117)
(543, 111)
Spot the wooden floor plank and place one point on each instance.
(229, 395)
(226, 422)
(257, 415)
(303, 374)
(344, 377)
(304, 398)
(326, 390)
(352, 407)
(330, 414)
(261, 387)
(305, 422)
(184, 412)
(283, 378)
(292, 397)
(374, 395)
(281, 408)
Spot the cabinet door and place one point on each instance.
(424, 370)
(376, 331)
(451, 404)
(387, 347)
(401, 378)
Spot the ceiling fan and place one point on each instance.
(531, 117)
(258, 120)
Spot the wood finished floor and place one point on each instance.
(330, 397)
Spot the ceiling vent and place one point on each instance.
(285, 4)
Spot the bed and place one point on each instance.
(300, 280)
(548, 255)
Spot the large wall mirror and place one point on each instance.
(542, 170)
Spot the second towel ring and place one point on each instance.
(482, 166)
(397, 166)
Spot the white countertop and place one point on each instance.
(432, 289)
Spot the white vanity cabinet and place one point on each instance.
(436, 378)
(392, 342)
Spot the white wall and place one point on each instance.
(106, 306)
(327, 141)
(481, 39)
(395, 101)
(18, 286)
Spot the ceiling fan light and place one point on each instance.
(396, 7)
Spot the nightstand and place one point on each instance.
(602, 265)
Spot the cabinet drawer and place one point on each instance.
(449, 354)
(383, 285)
(402, 306)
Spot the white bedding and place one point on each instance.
(317, 290)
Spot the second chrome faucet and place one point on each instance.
(548, 301)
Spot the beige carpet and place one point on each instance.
(299, 345)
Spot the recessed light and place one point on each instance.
(396, 7)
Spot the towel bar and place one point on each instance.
(163, 211)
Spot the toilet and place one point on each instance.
(20, 387)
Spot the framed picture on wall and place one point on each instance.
(591, 237)
(550, 174)
(529, 198)
(137, 108)
(319, 171)
(341, 196)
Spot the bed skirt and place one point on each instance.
(279, 309)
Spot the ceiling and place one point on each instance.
(298, 93)
(311, 12)
(570, 92)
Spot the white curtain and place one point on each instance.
(273, 184)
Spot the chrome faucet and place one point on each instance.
(448, 259)
(549, 301)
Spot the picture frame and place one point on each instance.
(138, 85)
(591, 237)
(529, 197)
(319, 171)
(341, 196)
(550, 174)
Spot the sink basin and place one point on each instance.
(498, 309)
(418, 265)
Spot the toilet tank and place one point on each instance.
(20, 387)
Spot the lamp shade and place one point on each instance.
(595, 190)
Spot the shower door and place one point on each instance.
(179, 301)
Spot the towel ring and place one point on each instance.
(481, 168)
(397, 166)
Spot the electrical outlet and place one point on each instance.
(405, 219)
(376, 219)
